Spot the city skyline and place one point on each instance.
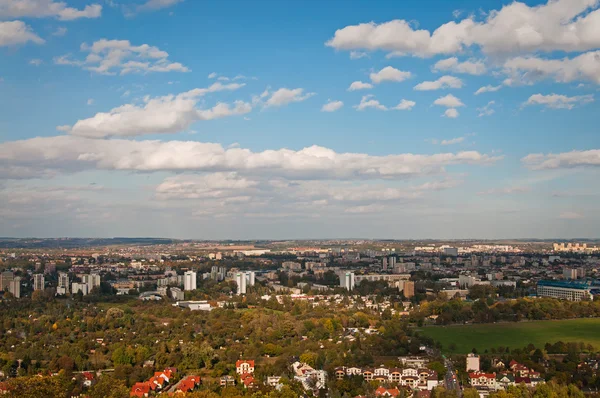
(241, 120)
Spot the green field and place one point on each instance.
(515, 335)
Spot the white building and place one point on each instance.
(38, 282)
(347, 280)
(572, 291)
(177, 294)
(189, 281)
(77, 287)
(240, 280)
(472, 363)
(63, 283)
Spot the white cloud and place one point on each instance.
(16, 32)
(441, 83)
(167, 114)
(358, 54)
(556, 101)
(565, 160)
(487, 89)
(368, 101)
(35, 62)
(558, 25)
(504, 191)
(90, 101)
(452, 141)
(285, 96)
(405, 105)
(72, 153)
(448, 101)
(476, 67)
(152, 5)
(358, 85)
(45, 9)
(486, 110)
(212, 75)
(111, 56)
(389, 74)
(60, 31)
(451, 113)
(332, 106)
(530, 69)
(570, 215)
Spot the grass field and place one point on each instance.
(515, 335)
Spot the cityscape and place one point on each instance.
(299, 199)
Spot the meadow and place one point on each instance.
(514, 335)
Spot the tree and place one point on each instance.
(108, 387)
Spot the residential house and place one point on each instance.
(140, 390)
(244, 367)
(227, 381)
(481, 379)
(387, 392)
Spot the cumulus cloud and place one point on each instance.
(285, 96)
(46, 9)
(14, 33)
(167, 114)
(72, 153)
(441, 83)
(358, 85)
(452, 113)
(488, 89)
(565, 160)
(475, 67)
(557, 101)
(332, 106)
(530, 69)
(558, 25)
(108, 57)
(368, 101)
(448, 101)
(405, 105)
(389, 74)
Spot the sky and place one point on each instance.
(300, 120)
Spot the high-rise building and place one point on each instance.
(347, 281)
(570, 273)
(77, 287)
(408, 289)
(189, 280)
(63, 283)
(92, 280)
(14, 287)
(451, 251)
(5, 278)
(38, 281)
(384, 263)
(240, 280)
(251, 278)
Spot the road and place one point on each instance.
(450, 379)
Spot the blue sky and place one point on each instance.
(190, 119)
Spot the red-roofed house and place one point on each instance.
(88, 378)
(247, 380)
(480, 379)
(243, 366)
(387, 392)
(140, 390)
